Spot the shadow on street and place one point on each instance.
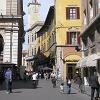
(19, 84)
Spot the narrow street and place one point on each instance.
(24, 91)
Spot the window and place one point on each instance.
(73, 38)
(35, 36)
(28, 39)
(72, 13)
(35, 51)
(32, 51)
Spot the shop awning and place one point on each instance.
(89, 61)
(72, 58)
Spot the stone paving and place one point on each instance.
(24, 91)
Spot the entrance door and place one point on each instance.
(71, 70)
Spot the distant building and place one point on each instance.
(24, 55)
(34, 26)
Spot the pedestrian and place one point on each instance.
(54, 81)
(62, 87)
(94, 86)
(8, 80)
(52, 75)
(79, 82)
(68, 85)
(46, 76)
(34, 79)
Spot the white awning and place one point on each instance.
(82, 62)
(79, 63)
(89, 61)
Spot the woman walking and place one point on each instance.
(68, 85)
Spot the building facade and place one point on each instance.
(11, 30)
(34, 26)
(59, 36)
(91, 38)
(47, 42)
(68, 26)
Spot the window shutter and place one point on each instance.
(67, 13)
(68, 37)
(78, 12)
(78, 38)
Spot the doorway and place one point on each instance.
(71, 70)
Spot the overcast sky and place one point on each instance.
(45, 5)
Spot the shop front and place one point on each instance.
(70, 69)
(88, 65)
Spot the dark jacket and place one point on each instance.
(79, 81)
(94, 81)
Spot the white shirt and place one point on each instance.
(61, 87)
(34, 77)
(53, 75)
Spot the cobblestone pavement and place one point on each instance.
(24, 91)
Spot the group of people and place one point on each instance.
(93, 82)
(68, 85)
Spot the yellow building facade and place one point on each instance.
(68, 26)
(46, 41)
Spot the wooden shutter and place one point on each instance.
(68, 37)
(67, 13)
(78, 38)
(78, 12)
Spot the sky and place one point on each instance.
(45, 5)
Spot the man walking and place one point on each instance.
(8, 80)
(94, 86)
(35, 79)
(79, 82)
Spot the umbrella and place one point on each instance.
(47, 68)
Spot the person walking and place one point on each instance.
(8, 80)
(68, 85)
(94, 86)
(62, 87)
(79, 82)
(34, 79)
(54, 81)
